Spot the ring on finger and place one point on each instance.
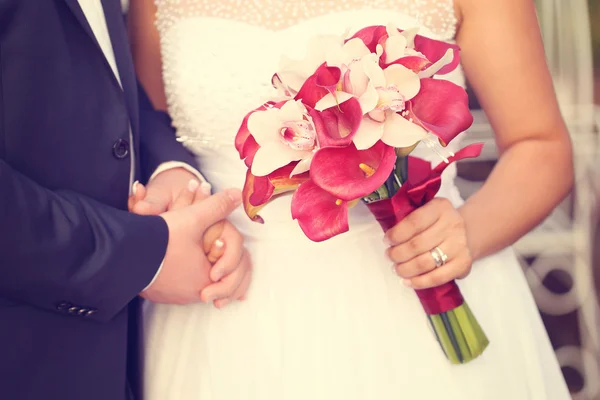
(439, 257)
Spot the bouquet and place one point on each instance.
(340, 130)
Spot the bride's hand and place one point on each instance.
(414, 240)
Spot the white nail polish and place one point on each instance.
(134, 187)
(193, 185)
(206, 188)
(219, 244)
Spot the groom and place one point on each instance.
(72, 260)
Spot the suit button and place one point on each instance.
(90, 312)
(64, 306)
(82, 311)
(74, 310)
(121, 149)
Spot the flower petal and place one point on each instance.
(245, 143)
(442, 108)
(320, 215)
(434, 68)
(355, 49)
(369, 133)
(264, 125)
(395, 47)
(399, 132)
(302, 167)
(248, 193)
(328, 77)
(340, 170)
(435, 50)
(332, 100)
(414, 63)
(370, 36)
(337, 126)
(274, 155)
(407, 82)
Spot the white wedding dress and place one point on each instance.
(322, 321)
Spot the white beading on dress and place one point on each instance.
(322, 320)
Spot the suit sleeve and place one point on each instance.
(158, 142)
(67, 253)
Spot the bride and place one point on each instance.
(333, 320)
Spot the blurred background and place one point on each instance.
(561, 258)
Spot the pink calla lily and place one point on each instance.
(320, 215)
(442, 108)
(350, 174)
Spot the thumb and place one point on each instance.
(216, 207)
(153, 204)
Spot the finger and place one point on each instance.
(216, 251)
(416, 222)
(421, 243)
(216, 208)
(456, 268)
(138, 192)
(240, 292)
(188, 195)
(226, 287)
(232, 253)
(425, 262)
(155, 202)
(203, 193)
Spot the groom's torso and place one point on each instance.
(64, 123)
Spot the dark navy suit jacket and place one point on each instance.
(72, 260)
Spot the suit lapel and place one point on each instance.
(118, 37)
(120, 44)
(80, 16)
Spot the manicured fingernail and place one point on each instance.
(407, 283)
(134, 187)
(193, 185)
(387, 241)
(206, 188)
(219, 244)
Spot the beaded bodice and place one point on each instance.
(219, 57)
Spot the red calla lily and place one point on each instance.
(442, 108)
(320, 215)
(350, 174)
(337, 126)
(259, 190)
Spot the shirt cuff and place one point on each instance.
(155, 275)
(176, 164)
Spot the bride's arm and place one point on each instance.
(145, 46)
(504, 60)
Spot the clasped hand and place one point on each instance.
(205, 259)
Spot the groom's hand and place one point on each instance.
(182, 276)
(161, 192)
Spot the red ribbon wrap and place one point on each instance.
(422, 185)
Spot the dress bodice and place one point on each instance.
(219, 57)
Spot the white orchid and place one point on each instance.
(284, 134)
